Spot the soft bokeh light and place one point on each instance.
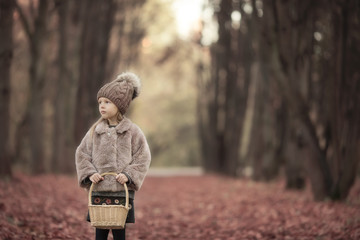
(187, 14)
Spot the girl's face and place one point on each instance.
(108, 109)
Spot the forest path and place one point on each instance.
(179, 207)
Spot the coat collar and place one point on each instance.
(123, 126)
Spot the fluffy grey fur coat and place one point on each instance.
(121, 149)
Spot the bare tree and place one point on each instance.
(128, 30)
(224, 96)
(98, 19)
(69, 22)
(32, 125)
(262, 146)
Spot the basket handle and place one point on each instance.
(125, 186)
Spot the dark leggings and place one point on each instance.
(102, 234)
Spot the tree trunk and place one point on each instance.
(135, 33)
(33, 120)
(64, 114)
(345, 98)
(296, 153)
(98, 20)
(6, 54)
(116, 54)
(225, 97)
(203, 98)
(266, 139)
(221, 111)
(265, 151)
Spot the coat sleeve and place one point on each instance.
(83, 161)
(141, 158)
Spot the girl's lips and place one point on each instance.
(102, 112)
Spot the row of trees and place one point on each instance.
(61, 52)
(71, 54)
(283, 87)
(278, 88)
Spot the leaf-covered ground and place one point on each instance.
(195, 207)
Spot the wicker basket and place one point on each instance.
(108, 216)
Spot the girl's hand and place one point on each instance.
(96, 177)
(122, 178)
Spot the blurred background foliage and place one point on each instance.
(254, 88)
(166, 110)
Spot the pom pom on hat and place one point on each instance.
(122, 90)
(132, 79)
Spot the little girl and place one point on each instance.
(114, 144)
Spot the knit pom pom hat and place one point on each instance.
(122, 90)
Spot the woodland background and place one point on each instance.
(260, 89)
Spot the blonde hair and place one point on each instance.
(119, 117)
